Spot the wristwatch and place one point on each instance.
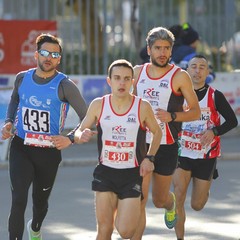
(151, 158)
(71, 138)
(173, 116)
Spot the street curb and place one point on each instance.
(230, 156)
(78, 162)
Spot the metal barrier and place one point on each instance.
(95, 32)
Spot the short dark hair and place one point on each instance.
(119, 63)
(199, 56)
(46, 37)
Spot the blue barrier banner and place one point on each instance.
(94, 87)
(4, 100)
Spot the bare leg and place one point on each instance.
(200, 193)
(142, 222)
(127, 218)
(162, 198)
(106, 205)
(181, 180)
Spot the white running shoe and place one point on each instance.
(31, 234)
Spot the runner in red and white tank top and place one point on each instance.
(122, 136)
(160, 94)
(165, 86)
(124, 159)
(189, 140)
(200, 143)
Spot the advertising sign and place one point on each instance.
(17, 43)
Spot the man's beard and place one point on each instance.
(154, 62)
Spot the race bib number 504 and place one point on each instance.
(35, 120)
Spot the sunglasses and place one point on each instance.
(45, 53)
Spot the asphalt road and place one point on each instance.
(71, 213)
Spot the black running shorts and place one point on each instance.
(166, 159)
(201, 168)
(125, 183)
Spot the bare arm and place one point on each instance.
(137, 70)
(148, 119)
(183, 84)
(151, 123)
(84, 132)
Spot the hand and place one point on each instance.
(86, 135)
(60, 141)
(163, 115)
(207, 138)
(146, 167)
(6, 131)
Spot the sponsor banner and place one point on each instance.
(94, 86)
(229, 85)
(6, 81)
(17, 43)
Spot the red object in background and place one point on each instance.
(17, 43)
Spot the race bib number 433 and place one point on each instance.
(35, 120)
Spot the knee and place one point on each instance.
(126, 232)
(197, 205)
(159, 202)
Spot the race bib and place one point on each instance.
(35, 120)
(38, 140)
(118, 152)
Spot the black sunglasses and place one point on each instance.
(45, 53)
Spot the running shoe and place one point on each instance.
(31, 234)
(170, 216)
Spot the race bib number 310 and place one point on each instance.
(35, 120)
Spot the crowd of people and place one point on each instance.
(160, 125)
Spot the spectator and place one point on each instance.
(187, 49)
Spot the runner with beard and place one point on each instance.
(165, 86)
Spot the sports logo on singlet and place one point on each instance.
(119, 133)
(152, 96)
(151, 93)
(164, 83)
(131, 118)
